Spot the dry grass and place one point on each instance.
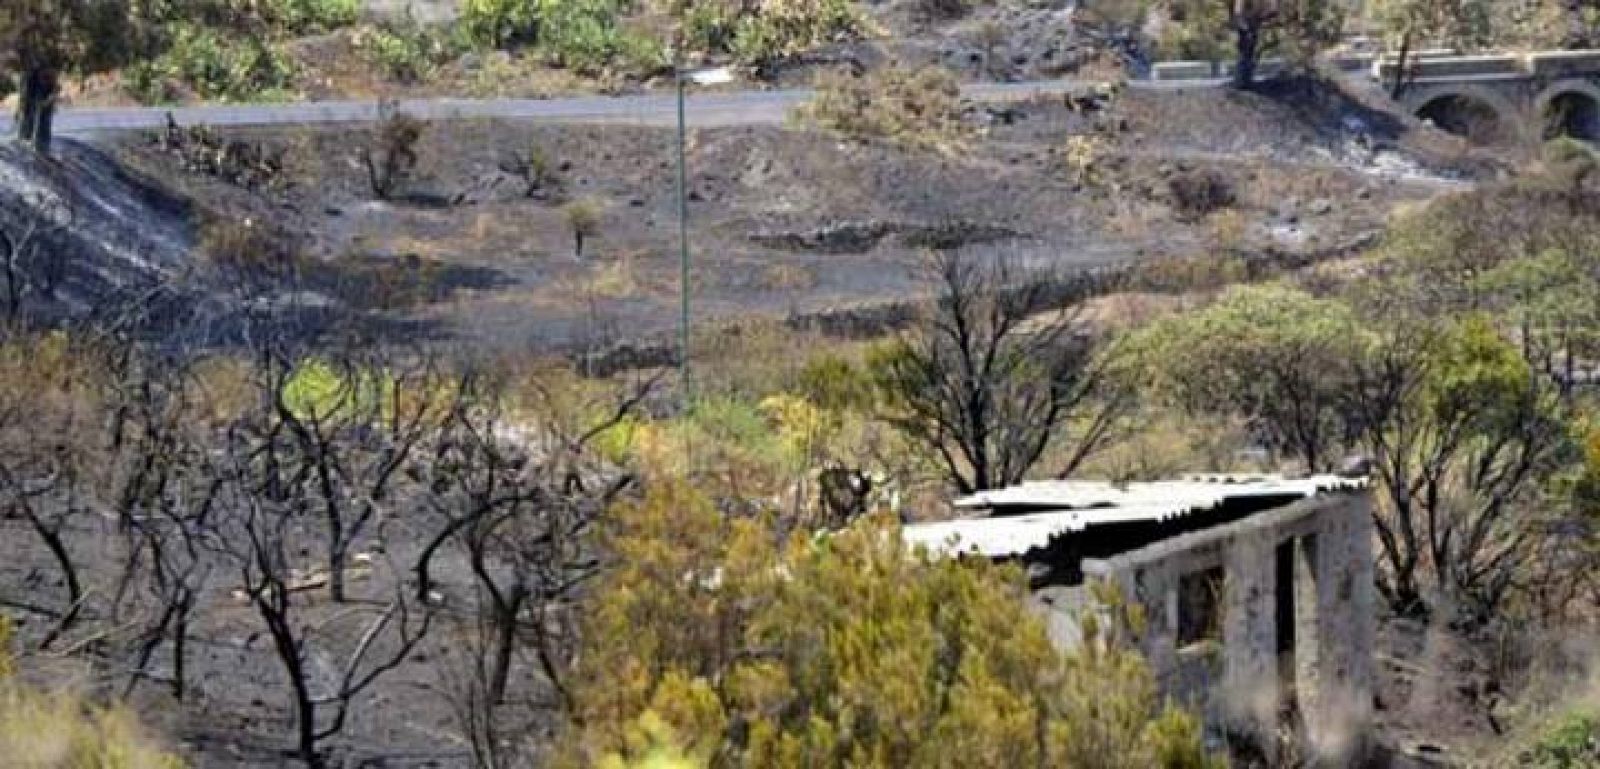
(918, 108)
(59, 730)
(786, 277)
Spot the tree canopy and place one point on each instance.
(726, 644)
(1275, 356)
(43, 40)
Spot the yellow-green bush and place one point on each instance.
(59, 731)
(759, 650)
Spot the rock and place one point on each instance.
(1320, 207)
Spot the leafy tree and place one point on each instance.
(1434, 259)
(42, 41)
(995, 377)
(1274, 356)
(854, 650)
(1461, 434)
(1258, 28)
(1407, 23)
(1553, 303)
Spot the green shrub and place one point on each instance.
(583, 35)
(407, 51)
(309, 16)
(269, 18)
(209, 65)
(1572, 743)
(758, 33)
(319, 390)
(738, 643)
(500, 23)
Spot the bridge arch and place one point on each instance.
(1478, 114)
(1569, 108)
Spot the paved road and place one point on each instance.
(704, 110)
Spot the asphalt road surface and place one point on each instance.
(703, 110)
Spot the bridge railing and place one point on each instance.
(1542, 64)
(1424, 65)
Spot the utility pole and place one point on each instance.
(685, 390)
(712, 76)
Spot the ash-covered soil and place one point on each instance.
(787, 222)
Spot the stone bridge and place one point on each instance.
(1488, 98)
(1504, 97)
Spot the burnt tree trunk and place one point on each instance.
(505, 642)
(1247, 43)
(287, 647)
(1402, 64)
(36, 107)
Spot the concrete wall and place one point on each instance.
(1300, 575)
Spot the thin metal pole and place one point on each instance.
(683, 253)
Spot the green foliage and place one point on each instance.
(42, 41)
(1272, 355)
(500, 23)
(1193, 33)
(1554, 303)
(1572, 743)
(656, 745)
(210, 65)
(407, 51)
(1456, 23)
(757, 33)
(835, 384)
(1476, 372)
(920, 108)
(316, 390)
(1293, 29)
(227, 50)
(759, 650)
(1437, 256)
(271, 18)
(308, 16)
(583, 35)
(64, 36)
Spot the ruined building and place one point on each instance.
(1258, 591)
